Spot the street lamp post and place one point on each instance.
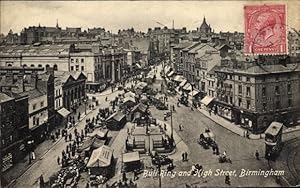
(172, 125)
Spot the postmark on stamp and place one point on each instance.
(265, 29)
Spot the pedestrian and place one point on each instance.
(42, 182)
(70, 136)
(227, 179)
(257, 155)
(124, 176)
(165, 127)
(134, 175)
(185, 156)
(58, 160)
(210, 112)
(173, 108)
(182, 156)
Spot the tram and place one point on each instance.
(273, 140)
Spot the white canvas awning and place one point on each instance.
(131, 157)
(187, 87)
(182, 83)
(64, 112)
(179, 78)
(194, 92)
(170, 74)
(207, 100)
(101, 157)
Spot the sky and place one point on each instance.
(141, 15)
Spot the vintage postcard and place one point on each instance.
(149, 94)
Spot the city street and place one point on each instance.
(47, 164)
(240, 149)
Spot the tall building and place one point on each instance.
(254, 96)
(294, 43)
(14, 128)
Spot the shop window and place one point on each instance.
(277, 91)
(277, 78)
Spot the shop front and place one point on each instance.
(224, 110)
(246, 119)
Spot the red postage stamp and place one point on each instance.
(265, 29)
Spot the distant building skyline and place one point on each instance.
(221, 15)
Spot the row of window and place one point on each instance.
(277, 90)
(277, 104)
(77, 60)
(240, 90)
(77, 68)
(40, 65)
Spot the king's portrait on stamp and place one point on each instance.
(265, 29)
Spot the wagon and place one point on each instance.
(206, 139)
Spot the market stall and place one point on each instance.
(131, 161)
(101, 162)
(116, 121)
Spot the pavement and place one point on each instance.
(40, 151)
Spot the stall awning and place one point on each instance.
(182, 83)
(101, 157)
(131, 157)
(130, 94)
(187, 87)
(194, 92)
(170, 74)
(100, 133)
(118, 116)
(179, 78)
(64, 112)
(207, 100)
